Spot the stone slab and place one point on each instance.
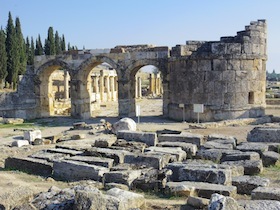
(252, 147)
(251, 167)
(122, 177)
(270, 158)
(264, 134)
(189, 148)
(30, 165)
(98, 161)
(196, 139)
(149, 138)
(176, 151)
(259, 204)
(65, 151)
(241, 156)
(75, 171)
(266, 193)
(50, 157)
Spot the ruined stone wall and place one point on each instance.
(227, 76)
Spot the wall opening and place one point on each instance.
(251, 97)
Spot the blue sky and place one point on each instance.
(107, 23)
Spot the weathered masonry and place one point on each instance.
(227, 76)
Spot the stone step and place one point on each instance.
(98, 161)
(200, 189)
(196, 139)
(149, 138)
(246, 184)
(30, 165)
(74, 171)
(266, 193)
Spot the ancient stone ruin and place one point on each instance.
(226, 76)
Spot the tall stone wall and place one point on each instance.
(227, 76)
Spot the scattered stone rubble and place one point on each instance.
(174, 164)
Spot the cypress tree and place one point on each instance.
(49, 43)
(69, 46)
(62, 44)
(39, 47)
(27, 49)
(3, 58)
(57, 44)
(12, 53)
(32, 52)
(21, 48)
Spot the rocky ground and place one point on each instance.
(149, 122)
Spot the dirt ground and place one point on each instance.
(149, 121)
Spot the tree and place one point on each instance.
(12, 53)
(69, 46)
(21, 48)
(3, 58)
(39, 47)
(62, 44)
(49, 43)
(30, 51)
(57, 42)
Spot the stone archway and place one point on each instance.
(82, 101)
(133, 68)
(43, 91)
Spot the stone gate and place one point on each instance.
(227, 76)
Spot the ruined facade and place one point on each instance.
(227, 76)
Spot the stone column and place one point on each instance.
(136, 87)
(139, 87)
(112, 88)
(101, 88)
(157, 85)
(152, 84)
(107, 88)
(66, 85)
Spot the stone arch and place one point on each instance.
(133, 68)
(80, 91)
(43, 87)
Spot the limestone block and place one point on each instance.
(217, 145)
(210, 154)
(50, 157)
(176, 151)
(266, 193)
(30, 165)
(197, 202)
(191, 65)
(78, 136)
(247, 64)
(149, 138)
(202, 189)
(32, 135)
(233, 48)
(124, 124)
(247, 48)
(65, 151)
(98, 161)
(129, 200)
(214, 75)
(108, 186)
(183, 137)
(108, 142)
(219, 88)
(270, 158)
(243, 75)
(252, 147)
(121, 177)
(241, 156)
(189, 148)
(20, 143)
(251, 167)
(204, 65)
(74, 170)
(259, 204)
(157, 161)
(265, 134)
(218, 48)
(209, 175)
(233, 65)
(130, 145)
(219, 65)
(246, 184)
(220, 202)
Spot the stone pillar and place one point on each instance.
(126, 102)
(101, 88)
(107, 88)
(139, 87)
(136, 87)
(157, 84)
(112, 88)
(66, 85)
(152, 84)
(96, 85)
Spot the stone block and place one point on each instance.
(65, 151)
(98, 161)
(204, 65)
(233, 65)
(122, 177)
(218, 48)
(246, 184)
(219, 65)
(252, 147)
(266, 193)
(30, 165)
(174, 151)
(217, 145)
(220, 202)
(50, 157)
(149, 138)
(108, 186)
(209, 175)
(157, 161)
(129, 200)
(247, 64)
(264, 134)
(126, 123)
(32, 135)
(75, 171)
(270, 158)
(233, 48)
(259, 204)
(241, 156)
(117, 155)
(196, 139)
(214, 155)
(104, 142)
(197, 202)
(251, 167)
(78, 136)
(20, 143)
(189, 148)
(201, 189)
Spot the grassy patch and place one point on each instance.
(23, 125)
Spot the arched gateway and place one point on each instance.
(226, 76)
